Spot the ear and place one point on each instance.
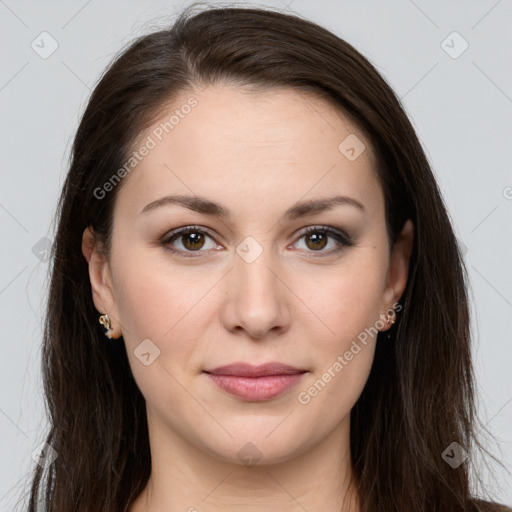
(101, 280)
(398, 267)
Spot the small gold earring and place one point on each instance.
(106, 323)
(389, 319)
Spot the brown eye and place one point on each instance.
(316, 241)
(188, 240)
(192, 240)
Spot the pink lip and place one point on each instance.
(255, 383)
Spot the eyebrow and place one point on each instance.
(207, 207)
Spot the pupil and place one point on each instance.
(193, 239)
(318, 238)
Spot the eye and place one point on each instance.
(191, 238)
(316, 238)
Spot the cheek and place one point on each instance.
(145, 304)
(344, 343)
(349, 301)
(152, 295)
(164, 303)
(158, 307)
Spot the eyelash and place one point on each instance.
(343, 239)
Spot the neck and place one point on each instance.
(185, 478)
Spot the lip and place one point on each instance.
(255, 383)
(248, 370)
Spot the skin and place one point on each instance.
(257, 154)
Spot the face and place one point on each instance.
(250, 285)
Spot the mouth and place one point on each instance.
(255, 383)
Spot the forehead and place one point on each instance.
(236, 143)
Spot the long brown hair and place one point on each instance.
(420, 395)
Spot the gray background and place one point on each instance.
(461, 108)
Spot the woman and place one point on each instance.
(257, 299)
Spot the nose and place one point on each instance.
(257, 299)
